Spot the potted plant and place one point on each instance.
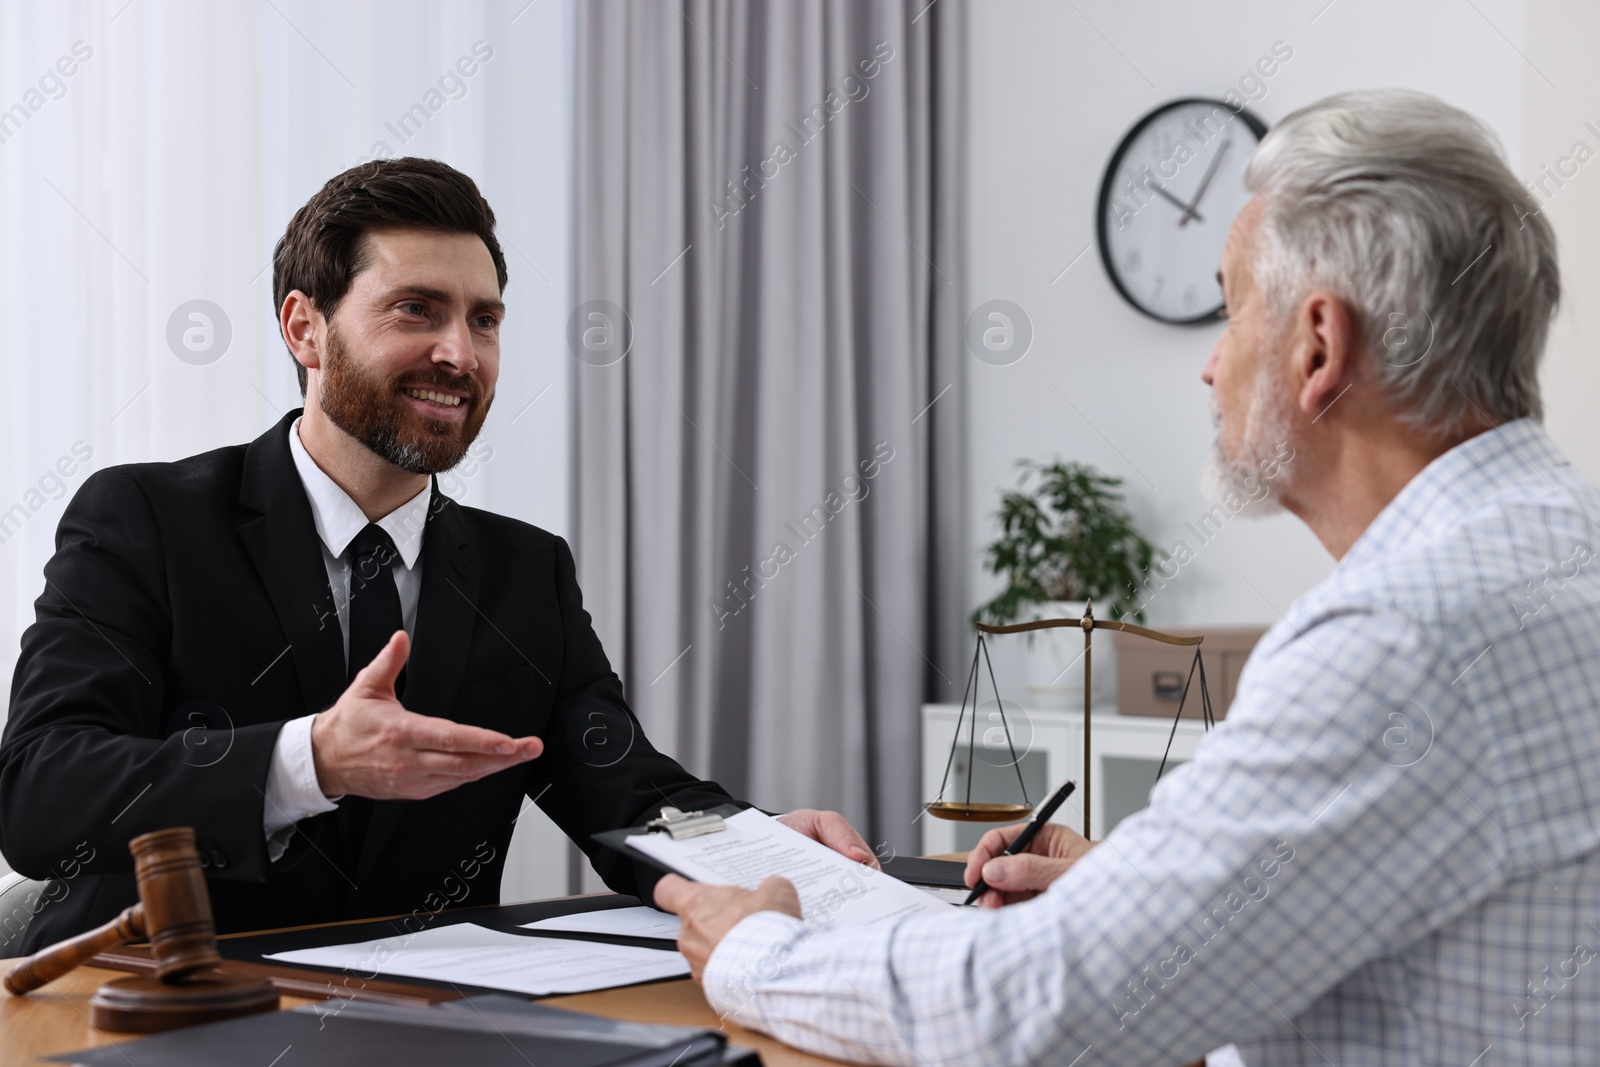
(1066, 537)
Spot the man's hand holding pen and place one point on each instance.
(1050, 854)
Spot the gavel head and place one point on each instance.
(177, 907)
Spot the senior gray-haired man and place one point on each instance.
(1390, 851)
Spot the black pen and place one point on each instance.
(1040, 816)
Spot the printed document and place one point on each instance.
(833, 889)
(475, 955)
(624, 922)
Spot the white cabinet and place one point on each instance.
(1046, 747)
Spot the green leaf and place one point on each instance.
(1065, 534)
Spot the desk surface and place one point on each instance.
(56, 1018)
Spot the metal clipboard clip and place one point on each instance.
(682, 824)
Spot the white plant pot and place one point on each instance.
(1054, 660)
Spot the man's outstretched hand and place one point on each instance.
(833, 830)
(368, 745)
(1013, 878)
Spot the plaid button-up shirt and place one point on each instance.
(1389, 852)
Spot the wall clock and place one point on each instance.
(1170, 192)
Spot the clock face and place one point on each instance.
(1171, 191)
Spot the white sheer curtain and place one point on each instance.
(151, 153)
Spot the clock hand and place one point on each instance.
(1205, 183)
(1161, 191)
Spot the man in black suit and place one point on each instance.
(343, 680)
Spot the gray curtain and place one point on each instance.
(767, 506)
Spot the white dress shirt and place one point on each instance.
(292, 790)
(1388, 853)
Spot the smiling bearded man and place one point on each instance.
(347, 683)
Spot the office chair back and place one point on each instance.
(21, 898)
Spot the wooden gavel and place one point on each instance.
(174, 914)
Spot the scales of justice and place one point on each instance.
(968, 810)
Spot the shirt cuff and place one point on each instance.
(750, 955)
(292, 791)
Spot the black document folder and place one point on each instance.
(255, 948)
(596, 1026)
(944, 874)
(483, 1031)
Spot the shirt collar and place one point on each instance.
(339, 519)
(1458, 481)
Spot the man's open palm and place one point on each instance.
(368, 745)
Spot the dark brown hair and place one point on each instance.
(323, 249)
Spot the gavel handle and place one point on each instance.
(49, 964)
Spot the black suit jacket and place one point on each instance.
(187, 615)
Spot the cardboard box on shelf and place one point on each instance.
(1151, 675)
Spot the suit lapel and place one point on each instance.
(446, 613)
(281, 540)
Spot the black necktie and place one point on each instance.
(374, 617)
(374, 600)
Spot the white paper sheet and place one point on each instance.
(833, 889)
(625, 922)
(946, 893)
(475, 955)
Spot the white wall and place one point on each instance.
(1562, 86)
(1053, 92)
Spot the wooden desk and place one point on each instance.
(56, 1018)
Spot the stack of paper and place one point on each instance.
(474, 955)
(623, 922)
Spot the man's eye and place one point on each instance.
(414, 307)
(487, 322)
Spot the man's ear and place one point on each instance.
(1325, 349)
(300, 322)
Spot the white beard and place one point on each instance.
(1267, 427)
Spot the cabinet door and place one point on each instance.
(1048, 744)
(1128, 752)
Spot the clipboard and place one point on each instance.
(679, 824)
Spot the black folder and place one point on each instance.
(491, 1031)
(508, 918)
(942, 874)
